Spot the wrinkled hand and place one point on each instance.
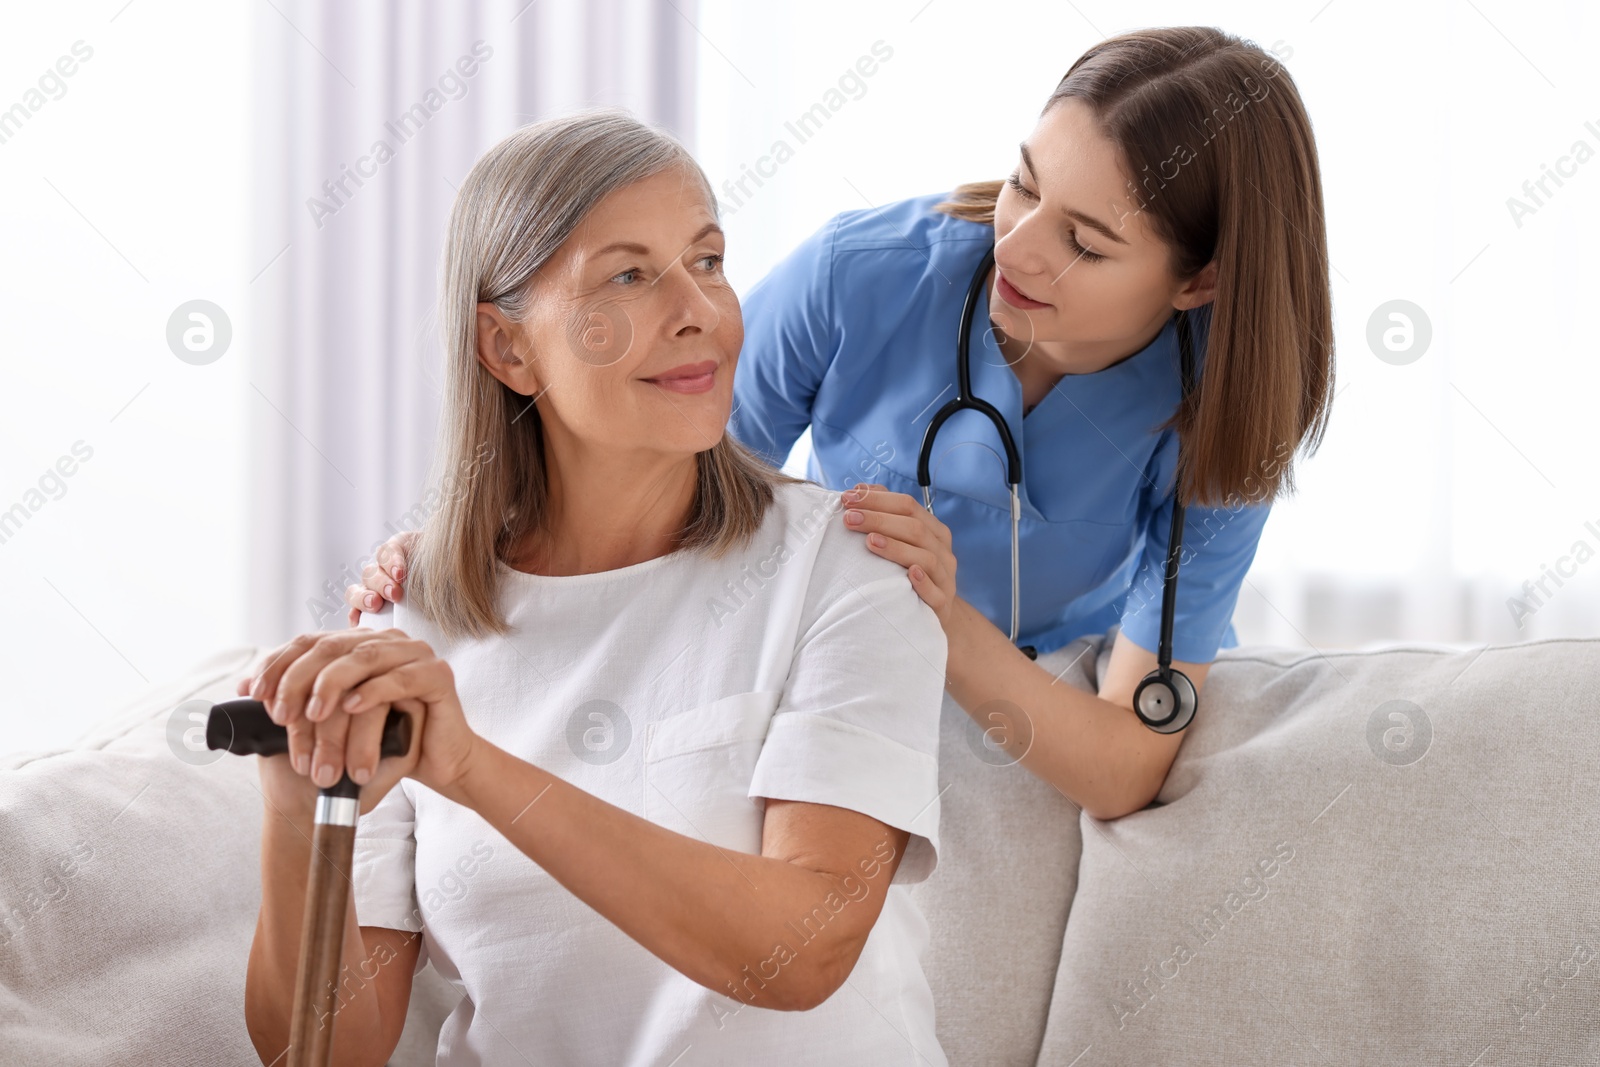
(333, 689)
(382, 578)
(910, 535)
(295, 795)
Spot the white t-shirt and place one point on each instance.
(684, 689)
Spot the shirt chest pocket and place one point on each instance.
(698, 766)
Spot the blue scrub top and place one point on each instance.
(854, 334)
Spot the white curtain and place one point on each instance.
(366, 117)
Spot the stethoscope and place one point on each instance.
(1165, 700)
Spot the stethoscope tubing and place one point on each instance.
(1164, 679)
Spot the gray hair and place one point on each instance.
(520, 202)
(527, 194)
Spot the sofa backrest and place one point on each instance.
(1359, 857)
(997, 904)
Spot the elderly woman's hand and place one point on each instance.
(381, 579)
(333, 689)
(901, 529)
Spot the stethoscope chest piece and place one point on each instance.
(1165, 704)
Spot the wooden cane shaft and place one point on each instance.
(316, 984)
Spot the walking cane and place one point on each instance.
(244, 728)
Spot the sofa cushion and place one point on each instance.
(130, 890)
(997, 906)
(1361, 857)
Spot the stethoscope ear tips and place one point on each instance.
(1165, 704)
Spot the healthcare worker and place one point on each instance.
(1168, 189)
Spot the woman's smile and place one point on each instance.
(1010, 294)
(689, 378)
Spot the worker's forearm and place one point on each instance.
(1072, 739)
(713, 914)
(274, 955)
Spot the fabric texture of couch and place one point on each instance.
(1370, 857)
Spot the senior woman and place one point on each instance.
(679, 727)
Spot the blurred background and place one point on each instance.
(220, 372)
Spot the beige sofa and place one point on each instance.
(1376, 857)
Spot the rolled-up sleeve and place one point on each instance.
(383, 870)
(790, 338)
(858, 723)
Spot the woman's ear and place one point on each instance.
(1199, 290)
(502, 350)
